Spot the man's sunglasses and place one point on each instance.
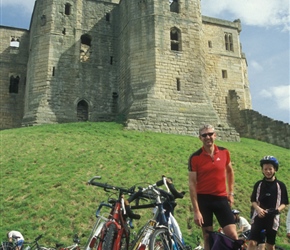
(207, 134)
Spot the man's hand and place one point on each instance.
(198, 219)
(230, 199)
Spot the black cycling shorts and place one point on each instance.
(210, 205)
(260, 224)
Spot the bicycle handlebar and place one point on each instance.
(129, 191)
(168, 181)
(106, 186)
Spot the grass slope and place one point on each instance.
(44, 170)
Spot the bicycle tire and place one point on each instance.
(162, 240)
(94, 238)
(109, 238)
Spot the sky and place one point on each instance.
(264, 39)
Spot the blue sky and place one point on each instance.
(264, 38)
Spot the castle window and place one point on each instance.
(177, 84)
(85, 47)
(64, 31)
(115, 102)
(82, 111)
(14, 42)
(174, 6)
(175, 39)
(224, 74)
(108, 17)
(14, 82)
(229, 42)
(209, 44)
(67, 9)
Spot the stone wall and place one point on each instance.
(13, 64)
(251, 124)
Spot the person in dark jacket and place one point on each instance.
(269, 198)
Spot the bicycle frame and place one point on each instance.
(115, 228)
(161, 219)
(116, 218)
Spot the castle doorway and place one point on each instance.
(82, 111)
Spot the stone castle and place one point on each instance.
(158, 65)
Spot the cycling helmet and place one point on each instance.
(235, 211)
(270, 159)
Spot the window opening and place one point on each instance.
(115, 102)
(175, 39)
(64, 31)
(108, 17)
(224, 74)
(85, 47)
(53, 71)
(174, 6)
(178, 84)
(67, 9)
(14, 42)
(209, 44)
(229, 42)
(111, 60)
(14, 82)
(82, 111)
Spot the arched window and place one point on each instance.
(86, 41)
(229, 42)
(82, 111)
(115, 102)
(175, 39)
(14, 82)
(174, 6)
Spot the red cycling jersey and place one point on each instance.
(211, 172)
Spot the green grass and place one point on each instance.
(44, 170)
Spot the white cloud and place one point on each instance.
(280, 94)
(25, 5)
(256, 66)
(263, 13)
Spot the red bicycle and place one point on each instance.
(115, 232)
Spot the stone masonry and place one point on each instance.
(157, 65)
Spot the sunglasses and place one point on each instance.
(207, 134)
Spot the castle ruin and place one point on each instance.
(158, 65)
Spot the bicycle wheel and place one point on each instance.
(109, 238)
(161, 239)
(94, 238)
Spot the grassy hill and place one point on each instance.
(44, 170)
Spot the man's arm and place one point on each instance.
(192, 179)
(230, 183)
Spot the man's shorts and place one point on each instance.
(210, 205)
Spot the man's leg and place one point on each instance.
(206, 237)
(231, 231)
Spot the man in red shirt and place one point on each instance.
(211, 186)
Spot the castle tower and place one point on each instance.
(71, 68)
(162, 66)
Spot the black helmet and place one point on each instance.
(235, 211)
(270, 159)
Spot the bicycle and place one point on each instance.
(75, 246)
(162, 231)
(34, 245)
(114, 231)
